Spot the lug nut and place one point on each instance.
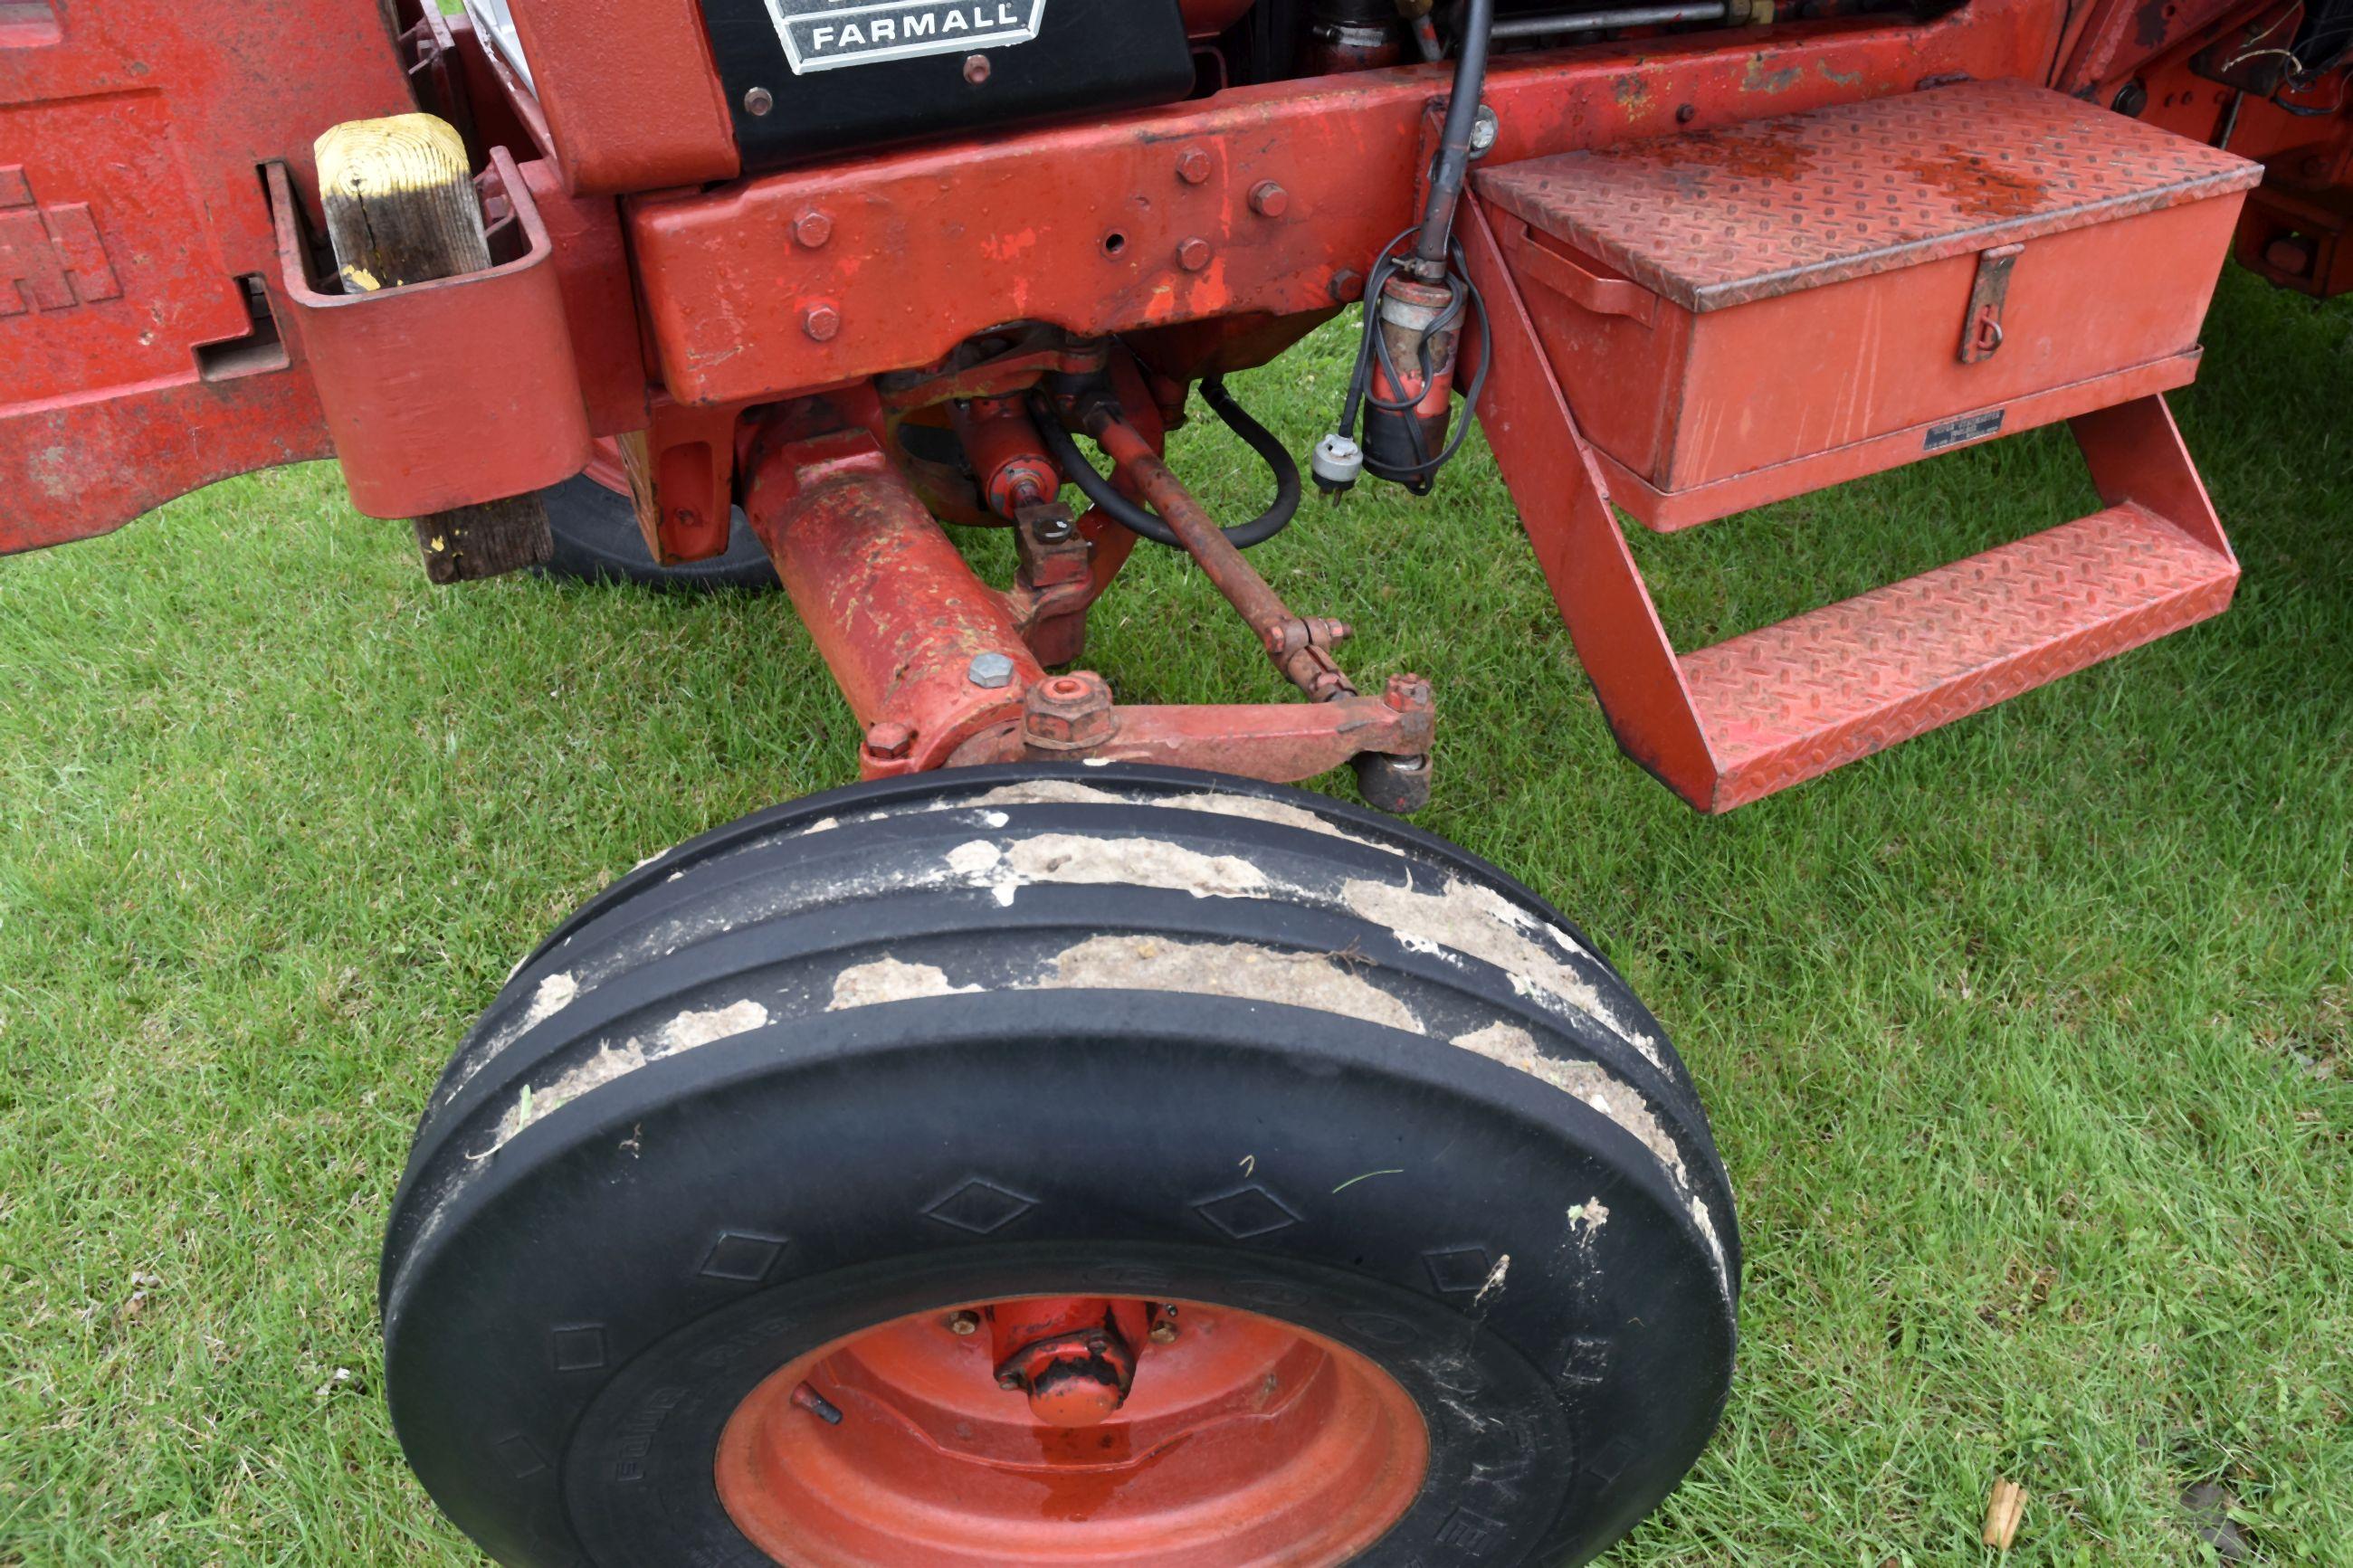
(1268, 199)
(1193, 167)
(821, 321)
(812, 228)
(963, 1324)
(1193, 255)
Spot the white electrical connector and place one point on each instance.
(1336, 463)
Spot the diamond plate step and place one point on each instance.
(1789, 701)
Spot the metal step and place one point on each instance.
(1789, 701)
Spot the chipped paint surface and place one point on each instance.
(610, 1063)
(1237, 969)
(554, 994)
(1087, 859)
(1482, 924)
(1256, 808)
(887, 979)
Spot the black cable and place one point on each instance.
(1130, 514)
(1453, 165)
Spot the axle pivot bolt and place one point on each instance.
(1193, 255)
(821, 321)
(812, 228)
(1193, 167)
(989, 669)
(963, 1324)
(891, 738)
(1268, 199)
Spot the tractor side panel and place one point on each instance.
(139, 300)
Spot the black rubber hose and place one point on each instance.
(1130, 514)
(1454, 144)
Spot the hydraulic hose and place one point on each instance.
(1453, 164)
(1130, 514)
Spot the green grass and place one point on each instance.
(2027, 1043)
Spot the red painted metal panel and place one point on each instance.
(630, 93)
(131, 136)
(1086, 225)
(600, 303)
(444, 393)
(1796, 202)
(1794, 700)
(1811, 280)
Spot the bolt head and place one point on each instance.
(1193, 167)
(975, 69)
(891, 738)
(964, 1324)
(813, 228)
(1193, 255)
(1163, 1334)
(1484, 131)
(1268, 199)
(1346, 284)
(991, 670)
(759, 101)
(821, 321)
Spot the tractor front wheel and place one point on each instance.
(1079, 1166)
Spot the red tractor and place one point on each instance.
(1073, 1145)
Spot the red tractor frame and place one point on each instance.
(756, 1223)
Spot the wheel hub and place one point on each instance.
(1073, 1431)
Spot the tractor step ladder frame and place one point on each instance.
(1728, 724)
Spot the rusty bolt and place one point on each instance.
(975, 69)
(821, 321)
(813, 228)
(891, 738)
(1068, 712)
(963, 1324)
(1193, 167)
(1268, 199)
(759, 101)
(1407, 693)
(1163, 1334)
(1193, 255)
(1346, 285)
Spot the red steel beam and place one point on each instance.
(821, 277)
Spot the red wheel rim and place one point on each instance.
(1245, 1442)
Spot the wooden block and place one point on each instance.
(2004, 1510)
(401, 209)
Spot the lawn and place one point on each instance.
(2030, 1045)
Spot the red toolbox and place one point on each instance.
(1694, 325)
(1745, 314)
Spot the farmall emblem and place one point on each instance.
(822, 34)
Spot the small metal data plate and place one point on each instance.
(826, 35)
(1968, 428)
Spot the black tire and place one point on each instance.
(1018, 1030)
(597, 541)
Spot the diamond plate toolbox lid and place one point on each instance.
(1716, 219)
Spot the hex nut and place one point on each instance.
(991, 670)
(821, 321)
(890, 739)
(1193, 167)
(1068, 712)
(1268, 199)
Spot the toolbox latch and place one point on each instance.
(1981, 330)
